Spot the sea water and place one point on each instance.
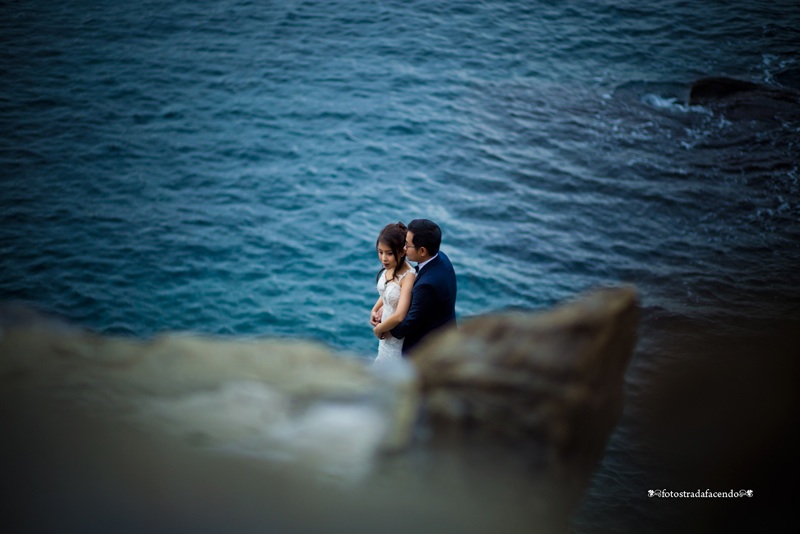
(224, 167)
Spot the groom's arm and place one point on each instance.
(422, 300)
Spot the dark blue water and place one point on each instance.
(225, 166)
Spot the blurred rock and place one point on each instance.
(283, 400)
(552, 381)
(187, 431)
(556, 376)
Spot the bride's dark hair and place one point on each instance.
(393, 236)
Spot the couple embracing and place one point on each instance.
(413, 301)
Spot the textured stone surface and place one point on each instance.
(261, 434)
(555, 377)
(283, 400)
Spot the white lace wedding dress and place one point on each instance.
(390, 348)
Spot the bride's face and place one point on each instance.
(386, 256)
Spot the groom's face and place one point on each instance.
(411, 250)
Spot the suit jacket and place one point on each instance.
(433, 302)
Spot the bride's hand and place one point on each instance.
(375, 320)
(378, 333)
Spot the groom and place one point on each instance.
(433, 299)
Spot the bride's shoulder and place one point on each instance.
(409, 273)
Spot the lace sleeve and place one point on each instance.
(410, 271)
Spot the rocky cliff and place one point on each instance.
(497, 424)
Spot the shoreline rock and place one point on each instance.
(740, 99)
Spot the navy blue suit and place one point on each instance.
(433, 302)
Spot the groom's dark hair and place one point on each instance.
(426, 234)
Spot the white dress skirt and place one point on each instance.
(390, 348)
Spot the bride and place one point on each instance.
(395, 282)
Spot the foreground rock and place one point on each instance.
(186, 432)
(285, 400)
(551, 382)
